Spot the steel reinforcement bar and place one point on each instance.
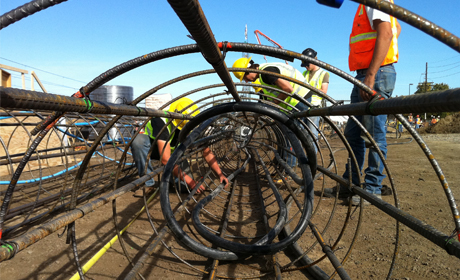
(12, 98)
(26, 10)
(46, 229)
(441, 101)
(192, 16)
(442, 240)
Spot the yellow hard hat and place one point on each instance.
(241, 63)
(257, 82)
(178, 107)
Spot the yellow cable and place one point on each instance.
(104, 249)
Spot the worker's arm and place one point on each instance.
(324, 87)
(164, 148)
(284, 85)
(382, 45)
(212, 161)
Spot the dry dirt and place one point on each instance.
(419, 191)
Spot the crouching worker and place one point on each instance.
(142, 143)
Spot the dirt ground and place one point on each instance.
(419, 192)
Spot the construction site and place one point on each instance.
(242, 193)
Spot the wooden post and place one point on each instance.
(8, 84)
(38, 81)
(6, 78)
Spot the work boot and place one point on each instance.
(356, 199)
(386, 190)
(332, 192)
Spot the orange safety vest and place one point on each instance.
(362, 42)
(411, 119)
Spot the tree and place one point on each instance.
(429, 86)
(441, 86)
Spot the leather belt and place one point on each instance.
(363, 71)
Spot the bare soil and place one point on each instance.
(418, 189)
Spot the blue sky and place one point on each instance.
(80, 39)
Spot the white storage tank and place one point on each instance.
(116, 95)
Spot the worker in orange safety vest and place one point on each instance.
(373, 51)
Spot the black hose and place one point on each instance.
(237, 247)
(263, 109)
(181, 236)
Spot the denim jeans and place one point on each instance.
(314, 130)
(140, 148)
(375, 125)
(290, 159)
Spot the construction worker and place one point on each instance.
(417, 122)
(410, 118)
(373, 51)
(400, 128)
(275, 82)
(433, 120)
(319, 79)
(142, 143)
(278, 83)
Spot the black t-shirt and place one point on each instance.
(157, 125)
(268, 79)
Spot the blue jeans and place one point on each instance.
(384, 84)
(290, 159)
(140, 148)
(313, 129)
(400, 127)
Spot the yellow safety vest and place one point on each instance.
(149, 131)
(291, 72)
(316, 81)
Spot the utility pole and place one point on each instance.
(426, 81)
(426, 77)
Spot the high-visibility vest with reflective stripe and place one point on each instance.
(288, 71)
(149, 131)
(316, 81)
(362, 42)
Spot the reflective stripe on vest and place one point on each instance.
(362, 42)
(288, 71)
(316, 81)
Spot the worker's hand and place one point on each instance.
(200, 189)
(223, 179)
(369, 81)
